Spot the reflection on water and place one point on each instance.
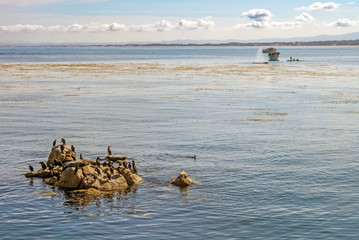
(80, 198)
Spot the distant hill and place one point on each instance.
(350, 39)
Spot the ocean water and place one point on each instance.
(276, 144)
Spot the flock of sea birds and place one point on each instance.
(59, 166)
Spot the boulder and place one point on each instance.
(182, 180)
(56, 153)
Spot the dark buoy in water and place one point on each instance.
(31, 168)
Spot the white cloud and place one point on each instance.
(258, 14)
(304, 17)
(254, 24)
(297, 22)
(319, 6)
(204, 23)
(117, 27)
(22, 28)
(160, 26)
(342, 23)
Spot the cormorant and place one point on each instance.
(72, 148)
(62, 148)
(63, 141)
(109, 150)
(43, 165)
(54, 143)
(81, 156)
(134, 166)
(31, 168)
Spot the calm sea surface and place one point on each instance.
(277, 145)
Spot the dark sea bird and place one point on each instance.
(109, 150)
(31, 168)
(63, 141)
(72, 148)
(124, 164)
(76, 169)
(43, 165)
(98, 161)
(54, 143)
(134, 166)
(98, 171)
(129, 165)
(111, 170)
(73, 158)
(81, 156)
(62, 148)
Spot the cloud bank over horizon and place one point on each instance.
(251, 21)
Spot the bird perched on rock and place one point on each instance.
(111, 170)
(98, 171)
(124, 164)
(31, 168)
(98, 161)
(72, 148)
(73, 158)
(109, 150)
(62, 148)
(63, 141)
(81, 156)
(129, 165)
(43, 165)
(54, 143)
(134, 166)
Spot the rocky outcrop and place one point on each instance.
(64, 170)
(64, 155)
(182, 180)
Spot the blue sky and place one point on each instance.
(168, 20)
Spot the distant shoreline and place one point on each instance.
(229, 44)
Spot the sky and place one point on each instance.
(110, 21)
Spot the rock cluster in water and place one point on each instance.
(63, 169)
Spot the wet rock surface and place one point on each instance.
(182, 180)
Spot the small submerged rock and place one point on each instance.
(182, 180)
